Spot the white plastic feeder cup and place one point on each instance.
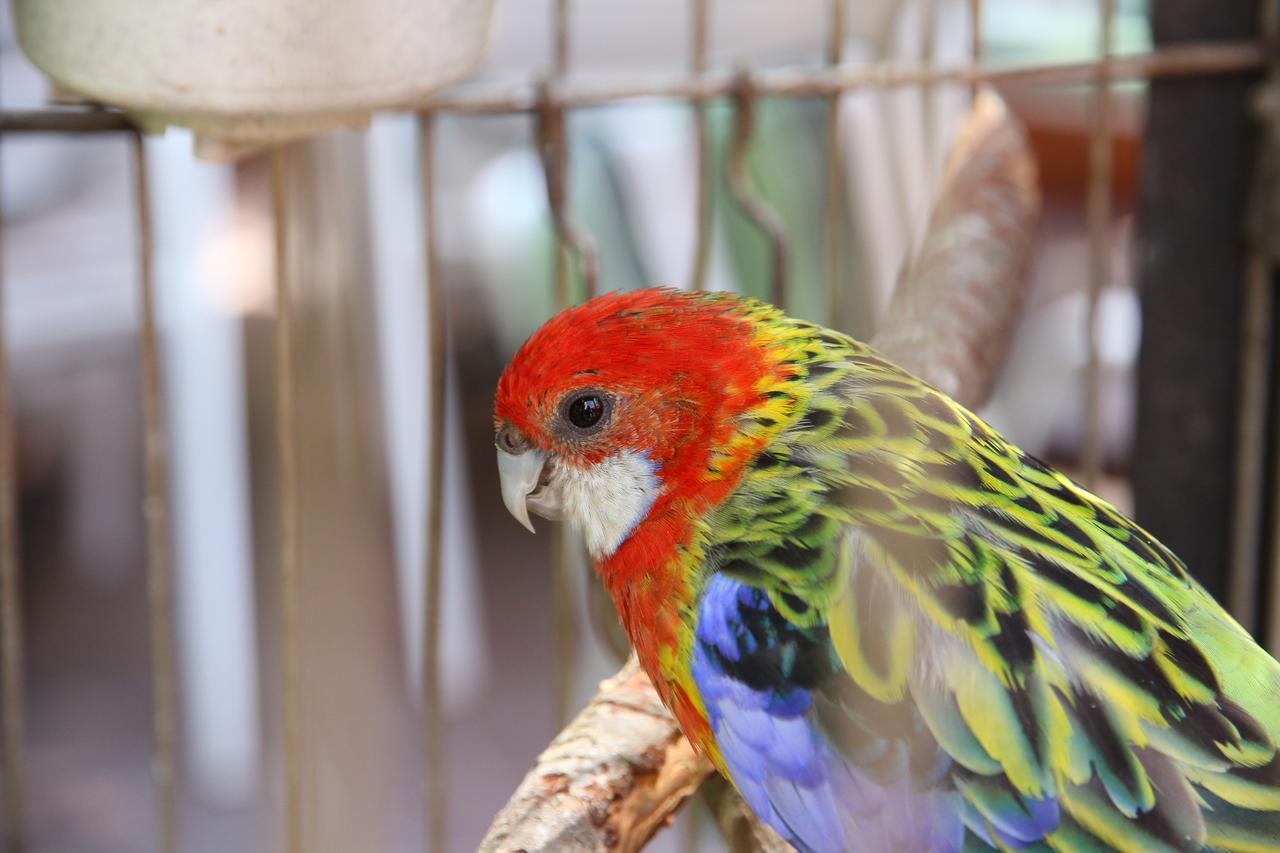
(251, 72)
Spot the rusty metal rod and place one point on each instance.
(702, 153)
(553, 147)
(748, 198)
(704, 195)
(1247, 504)
(1269, 636)
(1099, 217)
(554, 153)
(1228, 57)
(834, 215)
(560, 50)
(63, 120)
(975, 31)
(929, 92)
(432, 704)
(1255, 345)
(156, 515)
(570, 240)
(11, 634)
(287, 497)
(525, 96)
(564, 629)
(1188, 60)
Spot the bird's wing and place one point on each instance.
(943, 619)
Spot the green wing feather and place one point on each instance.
(1051, 646)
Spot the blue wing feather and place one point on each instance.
(762, 679)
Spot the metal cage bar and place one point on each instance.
(702, 148)
(287, 500)
(11, 633)
(1247, 500)
(1181, 61)
(975, 32)
(1259, 304)
(975, 41)
(929, 91)
(1099, 217)
(156, 514)
(554, 156)
(751, 202)
(65, 120)
(833, 220)
(1190, 60)
(433, 713)
(1255, 345)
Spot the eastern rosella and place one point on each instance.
(888, 626)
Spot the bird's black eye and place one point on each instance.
(586, 410)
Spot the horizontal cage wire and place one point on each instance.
(575, 261)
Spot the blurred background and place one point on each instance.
(1176, 359)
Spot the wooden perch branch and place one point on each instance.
(622, 769)
(611, 779)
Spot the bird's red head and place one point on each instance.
(618, 403)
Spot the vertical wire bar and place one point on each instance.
(1243, 582)
(565, 629)
(1255, 344)
(558, 154)
(563, 615)
(11, 634)
(703, 195)
(751, 202)
(703, 190)
(554, 151)
(701, 255)
(928, 91)
(555, 158)
(287, 495)
(560, 55)
(570, 240)
(975, 35)
(1099, 215)
(834, 219)
(1246, 511)
(433, 718)
(155, 510)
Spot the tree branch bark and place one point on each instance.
(622, 769)
(609, 780)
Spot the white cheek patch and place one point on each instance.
(607, 500)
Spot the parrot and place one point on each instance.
(887, 626)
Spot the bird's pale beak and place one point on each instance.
(520, 474)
